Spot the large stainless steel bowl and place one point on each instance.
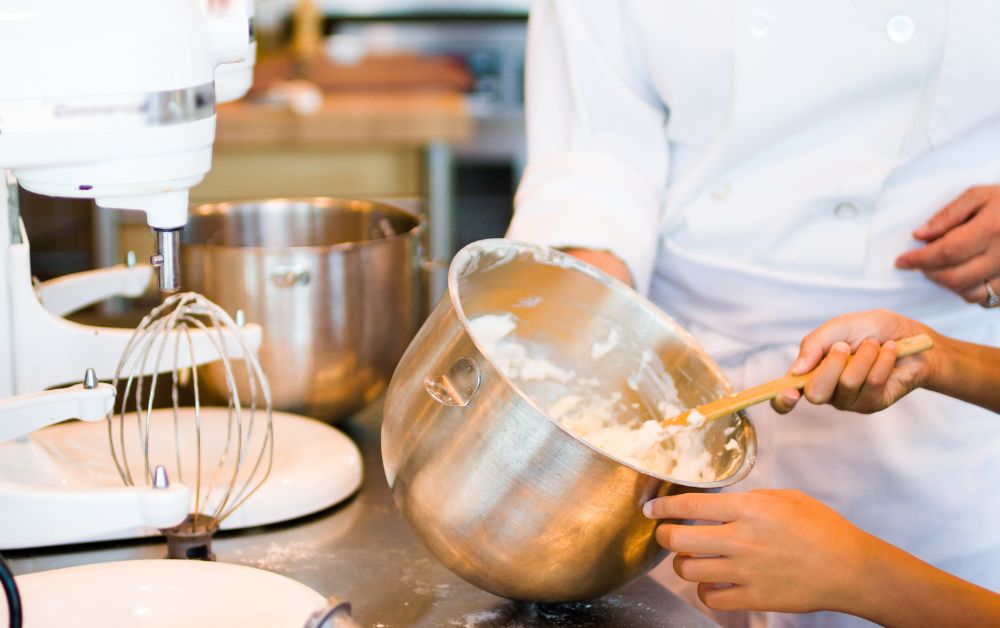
(333, 283)
(501, 494)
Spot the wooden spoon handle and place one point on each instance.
(764, 392)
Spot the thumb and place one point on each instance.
(818, 343)
(953, 214)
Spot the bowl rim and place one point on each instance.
(325, 202)
(543, 253)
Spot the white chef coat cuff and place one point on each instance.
(593, 202)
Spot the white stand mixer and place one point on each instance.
(112, 100)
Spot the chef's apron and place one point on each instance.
(759, 166)
(916, 474)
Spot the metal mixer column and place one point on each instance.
(167, 259)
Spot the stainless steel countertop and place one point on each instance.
(362, 551)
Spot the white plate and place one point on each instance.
(164, 593)
(314, 466)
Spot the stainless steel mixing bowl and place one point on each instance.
(501, 494)
(334, 284)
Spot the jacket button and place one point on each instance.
(899, 29)
(845, 211)
(759, 25)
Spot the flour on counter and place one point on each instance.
(282, 557)
(602, 418)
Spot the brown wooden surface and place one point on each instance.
(369, 118)
(366, 140)
(388, 99)
(375, 72)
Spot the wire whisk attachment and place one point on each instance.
(224, 457)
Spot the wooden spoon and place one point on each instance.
(751, 396)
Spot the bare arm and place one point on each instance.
(781, 550)
(969, 372)
(902, 590)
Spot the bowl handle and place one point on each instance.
(289, 276)
(457, 387)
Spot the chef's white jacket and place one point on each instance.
(759, 165)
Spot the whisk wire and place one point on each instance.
(142, 337)
(255, 376)
(218, 342)
(187, 329)
(148, 417)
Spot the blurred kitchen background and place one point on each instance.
(418, 102)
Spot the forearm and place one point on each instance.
(966, 371)
(898, 589)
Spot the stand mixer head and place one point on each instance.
(114, 100)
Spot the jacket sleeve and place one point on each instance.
(597, 146)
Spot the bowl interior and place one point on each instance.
(307, 222)
(583, 337)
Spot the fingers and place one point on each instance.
(785, 401)
(816, 345)
(855, 373)
(954, 214)
(820, 388)
(854, 382)
(873, 390)
(958, 245)
(967, 276)
(979, 294)
(705, 569)
(881, 325)
(723, 598)
(695, 506)
(692, 539)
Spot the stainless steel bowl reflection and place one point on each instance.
(501, 494)
(334, 284)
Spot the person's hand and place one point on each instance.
(873, 379)
(218, 6)
(963, 245)
(775, 550)
(781, 550)
(605, 261)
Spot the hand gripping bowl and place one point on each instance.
(500, 493)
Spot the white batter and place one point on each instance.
(602, 419)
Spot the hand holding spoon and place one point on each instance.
(767, 391)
